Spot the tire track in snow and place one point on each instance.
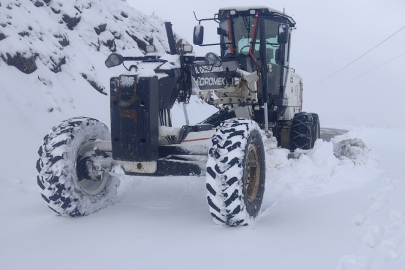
(383, 225)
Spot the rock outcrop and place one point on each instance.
(54, 33)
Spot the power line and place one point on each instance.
(334, 73)
(367, 71)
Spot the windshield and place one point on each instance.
(243, 31)
(243, 28)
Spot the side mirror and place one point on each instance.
(113, 60)
(211, 59)
(198, 36)
(283, 33)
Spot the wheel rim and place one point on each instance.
(89, 176)
(252, 177)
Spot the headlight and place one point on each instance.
(187, 48)
(114, 60)
(150, 48)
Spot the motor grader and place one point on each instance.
(258, 97)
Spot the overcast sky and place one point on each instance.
(329, 35)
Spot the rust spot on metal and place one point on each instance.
(134, 97)
(132, 114)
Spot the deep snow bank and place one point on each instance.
(371, 183)
(319, 212)
(325, 168)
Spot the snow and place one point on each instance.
(147, 69)
(326, 215)
(127, 81)
(173, 61)
(320, 211)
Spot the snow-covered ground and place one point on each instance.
(320, 212)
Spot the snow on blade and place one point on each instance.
(127, 81)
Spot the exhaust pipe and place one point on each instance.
(170, 38)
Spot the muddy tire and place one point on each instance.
(235, 178)
(70, 181)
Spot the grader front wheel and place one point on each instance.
(236, 173)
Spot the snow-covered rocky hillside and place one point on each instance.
(52, 53)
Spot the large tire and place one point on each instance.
(236, 172)
(69, 180)
(316, 126)
(304, 131)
